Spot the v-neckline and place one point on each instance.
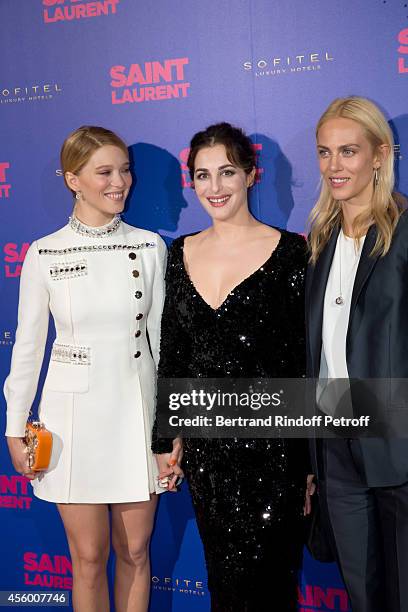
(238, 285)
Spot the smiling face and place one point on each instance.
(220, 185)
(347, 161)
(103, 183)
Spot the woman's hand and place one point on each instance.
(310, 489)
(169, 465)
(19, 457)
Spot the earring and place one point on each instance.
(78, 195)
(375, 176)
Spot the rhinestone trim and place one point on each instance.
(69, 353)
(70, 269)
(98, 247)
(94, 232)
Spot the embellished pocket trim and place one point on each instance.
(71, 353)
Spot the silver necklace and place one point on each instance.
(94, 232)
(340, 299)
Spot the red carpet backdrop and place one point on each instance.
(156, 72)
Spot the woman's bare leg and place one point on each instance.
(132, 526)
(87, 529)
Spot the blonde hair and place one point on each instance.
(386, 206)
(80, 145)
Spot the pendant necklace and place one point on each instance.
(340, 299)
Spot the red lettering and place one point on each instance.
(103, 9)
(91, 9)
(402, 67)
(258, 175)
(43, 580)
(179, 64)
(9, 484)
(26, 502)
(136, 75)
(58, 564)
(403, 39)
(330, 598)
(184, 87)
(81, 11)
(162, 72)
(306, 599)
(113, 5)
(5, 191)
(46, 17)
(7, 501)
(257, 147)
(154, 72)
(3, 166)
(10, 249)
(184, 153)
(115, 99)
(53, 582)
(150, 93)
(10, 272)
(59, 15)
(12, 253)
(185, 182)
(45, 564)
(322, 598)
(52, 2)
(65, 566)
(403, 49)
(146, 94)
(161, 92)
(173, 90)
(119, 79)
(30, 561)
(85, 9)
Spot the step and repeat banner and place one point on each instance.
(156, 72)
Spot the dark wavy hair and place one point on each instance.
(238, 146)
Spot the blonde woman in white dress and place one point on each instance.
(103, 282)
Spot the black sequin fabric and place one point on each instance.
(248, 494)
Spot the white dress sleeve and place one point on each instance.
(28, 352)
(155, 313)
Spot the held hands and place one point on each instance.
(310, 489)
(170, 471)
(19, 458)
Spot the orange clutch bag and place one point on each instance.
(38, 441)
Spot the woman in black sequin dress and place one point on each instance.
(235, 307)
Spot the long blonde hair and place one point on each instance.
(386, 206)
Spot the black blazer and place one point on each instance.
(377, 337)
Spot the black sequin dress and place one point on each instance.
(248, 494)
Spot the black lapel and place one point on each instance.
(365, 265)
(321, 272)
